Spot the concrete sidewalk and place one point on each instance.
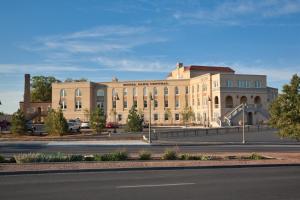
(79, 143)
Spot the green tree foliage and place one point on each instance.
(98, 120)
(134, 121)
(285, 110)
(1, 113)
(56, 123)
(187, 114)
(18, 122)
(42, 88)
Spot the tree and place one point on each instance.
(42, 88)
(285, 110)
(98, 120)
(187, 114)
(18, 122)
(56, 123)
(169, 114)
(134, 121)
(87, 114)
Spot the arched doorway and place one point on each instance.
(257, 101)
(250, 118)
(243, 100)
(229, 102)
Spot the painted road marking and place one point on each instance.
(157, 185)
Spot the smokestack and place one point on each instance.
(26, 93)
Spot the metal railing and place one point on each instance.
(190, 132)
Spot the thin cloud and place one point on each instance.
(238, 13)
(134, 65)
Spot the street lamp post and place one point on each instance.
(243, 123)
(151, 98)
(208, 115)
(116, 98)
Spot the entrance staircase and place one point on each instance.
(248, 108)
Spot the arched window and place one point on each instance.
(216, 102)
(145, 91)
(100, 93)
(166, 91)
(63, 93)
(78, 92)
(257, 100)
(243, 99)
(155, 91)
(176, 90)
(229, 102)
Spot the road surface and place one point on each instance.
(274, 183)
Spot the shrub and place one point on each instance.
(144, 155)
(255, 156)
(98, 120)
(115, 156)
(183, 156)
(120, 155)
(106, 157)
(18, 122)
(193, 157)
(2, 159)
(89, 158)
(76, 158)
(41, 157)
(134, 121)
(56, 123)
(170, 155)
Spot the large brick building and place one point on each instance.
(214, 93)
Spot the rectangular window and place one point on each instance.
(100, 104)
(155, 116)
(114, 104)
(145, 103)
(119, 117)
(125, 104)
(176, 116)
(229, 83)
(166, 103)
(78, 105)
(63, 105)
(135, 103)
(186, 90)
(198, 101)
(257, 84)
(155, 103)
(166, 117)
(177, 103)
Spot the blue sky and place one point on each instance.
(144, 39)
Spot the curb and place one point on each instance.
(145, 169)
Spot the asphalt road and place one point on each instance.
(276, 183)
(10, 149)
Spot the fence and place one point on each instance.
(198, 132)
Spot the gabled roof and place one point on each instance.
(208, 68)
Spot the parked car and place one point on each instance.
(73, 127)
(85, 125)
(112, 125)
(76, 121)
